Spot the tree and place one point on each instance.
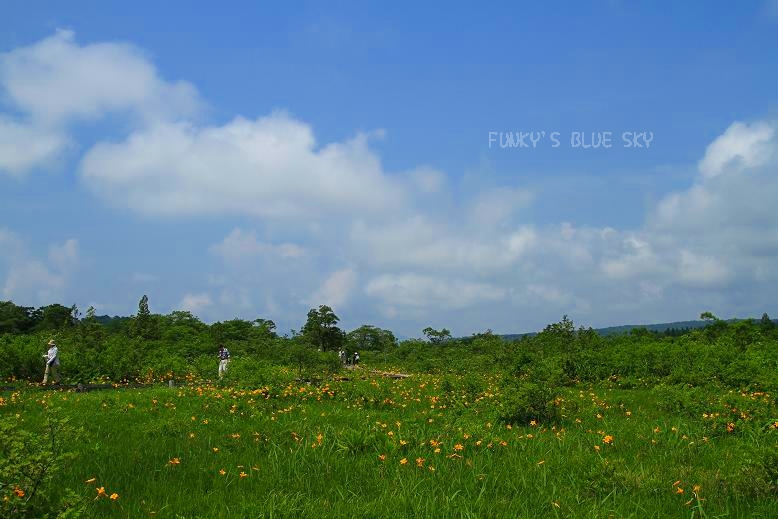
(182, 326)
(90, 328)
(716, 327)
(321, 329)
(766, 323)
(436, 336)
(370, 338)
(56, 317)
(145, 326)
(234, 330)
(265, 328)
(15, 319)
(708, 316)
(559, 336)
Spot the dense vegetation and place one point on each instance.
(564, 423)
(149, 347)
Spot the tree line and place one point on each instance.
(147, 346)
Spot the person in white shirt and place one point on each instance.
(52, 363)
(224, 360)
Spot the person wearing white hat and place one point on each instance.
(52, 363)
(224, 360)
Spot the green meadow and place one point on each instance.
(565, 423)
(424, 446)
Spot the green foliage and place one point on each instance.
(423, 446)
(16, 319)
(436, 336)
(311, 364)
(31, 456)
(370, 338)
(759, 473)
(525, 402)
(735, 355)
(145, 326)
(682, 400)
(248, 373)
(321, 330)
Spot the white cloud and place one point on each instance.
(24, 147)
(418, 242)
(497, 206)
(403, 233)
(336, 289)
(65, 256)
(10, 245)
(741, 146)
(238, 298)
(702, 271)
(427, 179)
(31, 280)
(56, 80)
(242, 245)
(637, 259)
(548, 293)
(195, 303)
(416, 291)
(267, 167)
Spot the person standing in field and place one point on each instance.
(224, 359)
(52, 363)
(356, 358)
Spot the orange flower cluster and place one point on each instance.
(101, 492)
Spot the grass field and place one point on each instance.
(425, 446)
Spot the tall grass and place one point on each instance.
(426, 446)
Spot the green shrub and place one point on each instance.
(31, 456)
(528, 401)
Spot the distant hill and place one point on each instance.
(107, 320)
(659, 327)
(626, 328)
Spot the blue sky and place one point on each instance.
(254, 161)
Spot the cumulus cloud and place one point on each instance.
(24, 146)
(195, 303)
(421, 243)
(695, 246)
(336, 289)
(64, 256)
(33, 280)
(242, 245)
(496, 207)
(410, 290)
(724, 228)
(483, 257)
(427, 179)
(54, 82)
(741, 146)
(637, 259)
(269, 167)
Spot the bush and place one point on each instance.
(691, 402)
(29, 461)
(759, 473)
(528, 401)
